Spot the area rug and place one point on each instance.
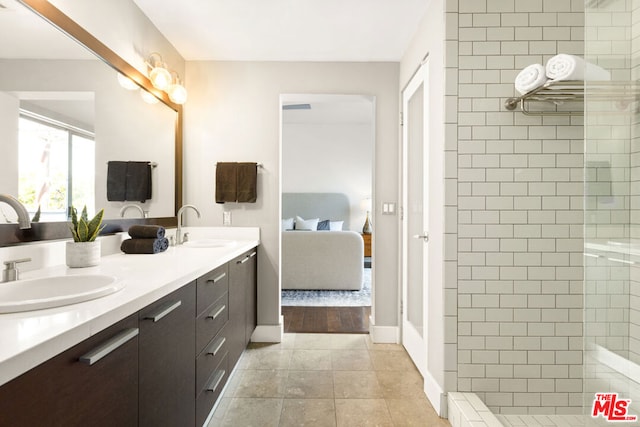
(305, 298)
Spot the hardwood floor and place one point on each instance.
(341, 320)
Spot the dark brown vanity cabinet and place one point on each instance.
(212, 339)
(94, 383)
(166, 355)
(166, 365)
(242, 302)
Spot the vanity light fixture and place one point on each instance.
(159, 75)
(127, 83)
(176, 91)
(148, 97)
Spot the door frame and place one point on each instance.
(420, 78)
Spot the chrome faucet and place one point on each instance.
(11, 273)
(23, 216)
(179, 238)
(125, 207)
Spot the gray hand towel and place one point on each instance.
(116, 181)
(144, 246)
(138, 187)
(146, 231)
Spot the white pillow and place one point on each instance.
(307, 224)
(287, 224)
(335, 225)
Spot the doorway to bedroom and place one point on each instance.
(326, 261)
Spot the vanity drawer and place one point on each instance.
(210, 287)
(210, 357)
(210, 321)
(212, 389)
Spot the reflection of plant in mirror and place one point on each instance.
(84, 230)
(36, 216)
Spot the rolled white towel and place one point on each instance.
(530, 78)
(571, 67)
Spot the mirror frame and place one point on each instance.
(11, 234)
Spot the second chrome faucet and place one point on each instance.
(179, 237)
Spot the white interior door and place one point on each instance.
(415, 233)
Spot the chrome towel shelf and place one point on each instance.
(567, 97)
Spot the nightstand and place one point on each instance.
(367, 244)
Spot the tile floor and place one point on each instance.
(325, 380)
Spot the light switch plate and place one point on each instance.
(226, 218)
(388, 208)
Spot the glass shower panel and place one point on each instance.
(612, 215)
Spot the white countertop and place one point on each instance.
(30, 338)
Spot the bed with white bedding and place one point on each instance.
(326, 259)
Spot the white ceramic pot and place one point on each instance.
(83, 254)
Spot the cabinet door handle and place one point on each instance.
(217, 313)
(219, 345)
(217, 279)
(245, 259)
(213, 385)
(163, 311)
(109, 346)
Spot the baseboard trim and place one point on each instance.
(269, 333)
(435, 394)
(383, 334)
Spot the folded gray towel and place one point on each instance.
(146, 231)
(144, 246)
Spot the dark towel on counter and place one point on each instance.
(226, 182)
(247, 182)
(138, 181)
(146, 231)
(144, 246)
(116, 181)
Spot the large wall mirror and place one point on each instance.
(64, 116)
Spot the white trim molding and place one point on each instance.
(383, 334)
(269, 333)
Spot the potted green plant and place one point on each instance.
(84, 251)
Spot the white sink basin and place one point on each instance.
(56, 291)
(210, 243)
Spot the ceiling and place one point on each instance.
(287, 30)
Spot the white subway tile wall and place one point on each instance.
(519, 195)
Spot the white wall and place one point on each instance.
(429, 39)
(9, 106)
(329, 158)
(233, 114)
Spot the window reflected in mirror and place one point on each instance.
(56, 167)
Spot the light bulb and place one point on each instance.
(148, 97)
(127, 83)
(177, 93)
(160, 77)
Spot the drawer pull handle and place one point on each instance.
(109, 346)
(245, 259)
(213, 386)
(163, 311)
(217, 279)
(219, 345)
(217, 313)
